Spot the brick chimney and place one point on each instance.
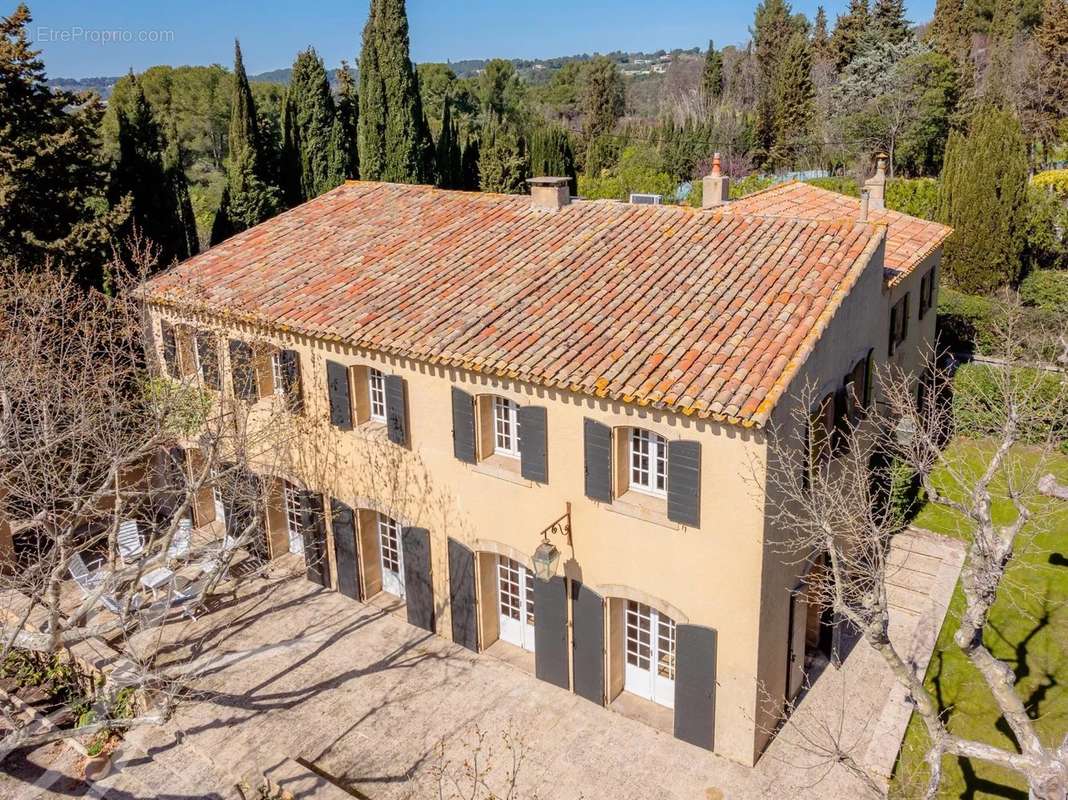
(549, 194)
(876, 185)
(717, 186)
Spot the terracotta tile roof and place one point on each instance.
(700, 313)
(909, 240)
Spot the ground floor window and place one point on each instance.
(650, 651)
(515, 598)
(293, 519)
(389, 545)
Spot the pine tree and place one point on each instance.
(551, 155)
(1002, 42)
(52, 172)
(250, 196)
(795, 103)
(140, 175)
(712, 76)
(848, 33)
(1051, 36)
(502, 161)
(309, 134)
(346, 123)
(174, 169)
(773, 26)
(394, 142)
(821, 40)
(888, 23)
(982, 196)
(449, 154)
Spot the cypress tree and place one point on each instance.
(174, 169)
(712, 75)
(139, 173)
(345, 124)
(848, 33)
(888, 23)
(795, 103)
(250, 196)
(469, 165)
(983, 196)
(449, 154)
(502, 161)
(1051, 36)
(394, 142)
(289, 171)
(603, 97)
(773, 26)
(551, 155)
(309, 133)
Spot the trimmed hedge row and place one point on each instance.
(978, 405)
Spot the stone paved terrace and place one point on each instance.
(294, 672)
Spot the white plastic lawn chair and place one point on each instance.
(87, 580)
(129, 540)
(181, 540)
(190, 596)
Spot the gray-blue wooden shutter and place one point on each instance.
(346, 549)
(396, 410)
(418, 584)
(587, 609)
(242, 370)
(893, 331)
(695, 685)
(337, 388)
(291, 384)
(170, 349)
(313, 530)
(208, 356)
(597, 439)
(550, 632)
(463, 426)
(462, 595)
(533, 444)
(684, 483)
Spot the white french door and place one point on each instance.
(515, 602)
(293, 520)
(391, 556)
(650, 650)
(220, 509)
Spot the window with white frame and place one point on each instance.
(376, 394)
(277, 376)
(648, 462)
(294, 521)
(505, 427)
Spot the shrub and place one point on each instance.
(748, 185)
(979, 408)
(1046, 289)
(1053, 179)
(915, 196)
(838, 184)
(964, 322)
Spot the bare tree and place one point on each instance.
(91, 438)
(831, 498)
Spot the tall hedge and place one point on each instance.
(983, 197)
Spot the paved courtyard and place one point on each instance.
(290, 671)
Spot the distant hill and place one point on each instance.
(532, 70)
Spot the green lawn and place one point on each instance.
(1028, 628)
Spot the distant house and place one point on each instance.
(607, 368)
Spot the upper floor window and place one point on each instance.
(277, 376)
(899, 323)
(927, 283)
(648, 462)
(376, 394)
(505, 427)
(170, 349)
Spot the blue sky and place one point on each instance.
(82, 39)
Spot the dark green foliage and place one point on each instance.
(551, 155)
(712, 75)
(449, 154)
(502, 162)
(979, 405)
(932, 83)
(159, 196)
(1051, 37)
(309, 133)
(794, 104)
(603, 97)
(964, 322)
(849, 33)
(983, 198)
(684, 147)
(500, 91)
(1046, 244)
(53, 178)
(346, 125)
(1046, 289)
(821, 39)
(888, 23)
(469, 178)
(251, 196)
(394, 142)
(174, 170)
(917, 197)
(773, 28)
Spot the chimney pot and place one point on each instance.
(549, 193)
(716, 186)
(865, 200)
(876, 185)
